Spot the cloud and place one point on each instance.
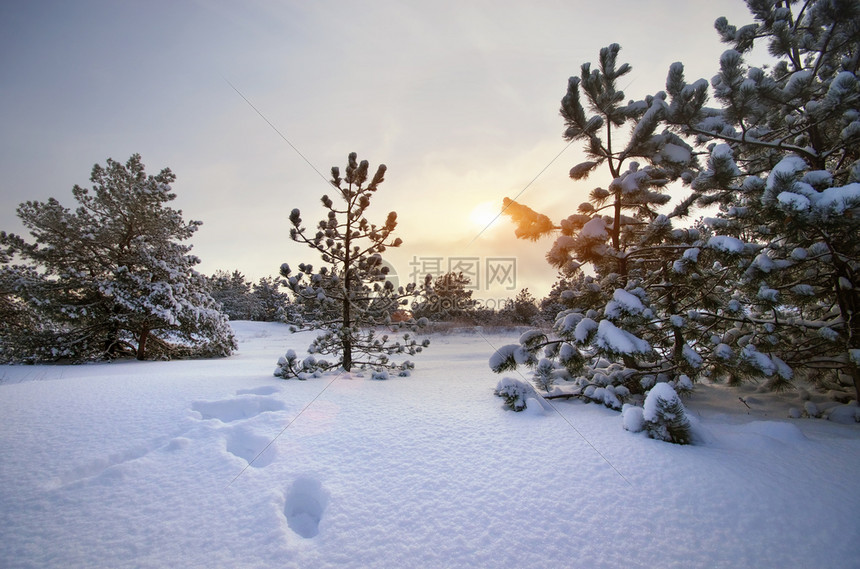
(460, 100)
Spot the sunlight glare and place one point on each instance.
(484, 213)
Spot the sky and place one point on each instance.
(458, 98)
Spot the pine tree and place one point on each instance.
(447, 298)
(768, 286)
(561, 295)
(628, 312)
(522, 309)
(18, 320)
(112, 278)
(665, 418)
(268, 302)
(784, 169)
(233, 292)
(351, 286)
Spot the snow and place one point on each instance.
(660, 391)
(830, 202)
(567, 352)
(798, 81)
(768, 294)
(594, 229)
(623, 302)
(722, 152)
(722, 157)
(792, 201)
(763, 262)
(726, 244)
(632, 418)
(503, 355)
(530, 336)
(584, 329)
(785, 168)
(216, 463)
(569, 322)
(799, 253)
(818, 178)
(836, 200)
(758, 360)
(692, 356)
(676, 153)
(614, 339)
(845, 414)
(803, 290)
(844, 84)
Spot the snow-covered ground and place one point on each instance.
(146, 464)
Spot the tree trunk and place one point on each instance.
(346, 339)
(616, 223)
(855, 375)
(848, 300)
(678, 334)
(141, 344)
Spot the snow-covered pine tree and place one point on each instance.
(447, 297)
(664, 417)
(233, 292)
(112, 278)
(629, 312)
(521, 310)
(784, 169)
(17, 318)
(270, 304)
(307, 307)
(561, 295)
(351, 287)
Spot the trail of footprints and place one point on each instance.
(306, 500)
(240, 440)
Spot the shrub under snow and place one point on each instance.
(665, 417)
(515, 392)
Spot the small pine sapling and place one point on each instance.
(350, 296)
(515, 392)
(664, 416)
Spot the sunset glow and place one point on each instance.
(484, 214)
(250, 111)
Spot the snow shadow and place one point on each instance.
(249, 446)
(230, 410)
(304, 506)
(264, 390)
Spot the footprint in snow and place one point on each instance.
(111, 468)
(230, 410)
(304, 506)
(255, 449)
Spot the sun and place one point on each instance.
(484, 214)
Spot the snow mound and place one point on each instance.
(776, 430)
(632, 418)
(847, 414)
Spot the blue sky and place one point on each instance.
(459, 99)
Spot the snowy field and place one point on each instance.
(146, 464)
